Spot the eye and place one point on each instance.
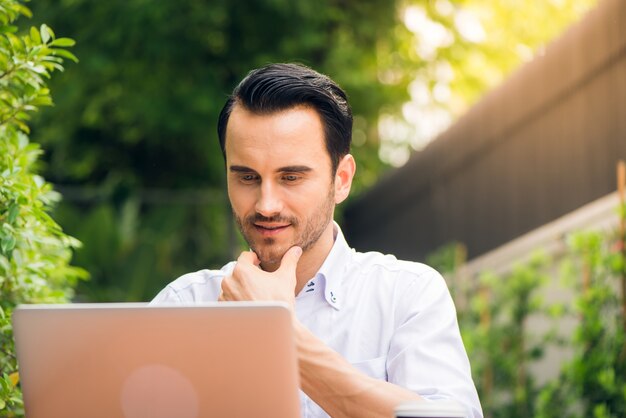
(290, 178)
(248, 178)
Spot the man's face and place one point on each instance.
(280, 183)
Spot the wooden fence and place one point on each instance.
(541, 145)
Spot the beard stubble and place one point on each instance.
(308, 232)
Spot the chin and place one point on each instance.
(271, 257)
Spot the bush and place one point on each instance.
(34, 252)
(593, 382)
(494, 311)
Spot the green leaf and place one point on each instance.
(42, 101)
(63, 42)
(15, 42)
(24, 10)
(14, 210)
(8, 243)
(66, 54)
(8, 29)
(46, 33)
(34, 35)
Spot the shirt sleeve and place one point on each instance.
(166, 296)
(198, 287)
(426, 352)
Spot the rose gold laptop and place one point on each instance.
(134, 360)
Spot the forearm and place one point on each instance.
(339, 388)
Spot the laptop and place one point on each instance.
(227, 359)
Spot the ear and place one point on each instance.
(343, 178)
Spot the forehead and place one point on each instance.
(291, 136)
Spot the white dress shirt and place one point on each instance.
(393, 320)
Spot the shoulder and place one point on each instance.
(389, 267)
(414, 290)
(410, 285)
(200, 286)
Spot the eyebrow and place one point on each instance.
(240, 169)
(286, 169)
(295, 169)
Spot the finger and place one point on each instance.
(248, 257)
(223, 291)
(290, 259)
(257, 261)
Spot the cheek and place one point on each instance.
(239, 200)
(302, 199)
(308, 203)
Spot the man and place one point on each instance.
(371, 331)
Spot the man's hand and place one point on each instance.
(249, 282)
(328, 379)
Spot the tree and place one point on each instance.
(131, 141)
(34, 252)
(458, 50)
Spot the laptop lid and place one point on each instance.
(233, 359)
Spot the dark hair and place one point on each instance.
(278, 87)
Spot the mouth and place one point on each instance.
(270, 229)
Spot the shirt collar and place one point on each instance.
(333, 269)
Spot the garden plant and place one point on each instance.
(494, 312)
(34, 252)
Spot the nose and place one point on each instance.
(269, 202)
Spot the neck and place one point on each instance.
(312, 259)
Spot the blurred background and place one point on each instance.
(490, 138)
(131, 142)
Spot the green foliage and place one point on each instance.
(131, 140)
(494, 316)
(448, 259)
(499, 342)
(34, 252)
(514, 33)
(593, 383)
(144, 242)
(132, 135)
(454, 52)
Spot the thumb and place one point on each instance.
(290, 259)
(249, 257)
